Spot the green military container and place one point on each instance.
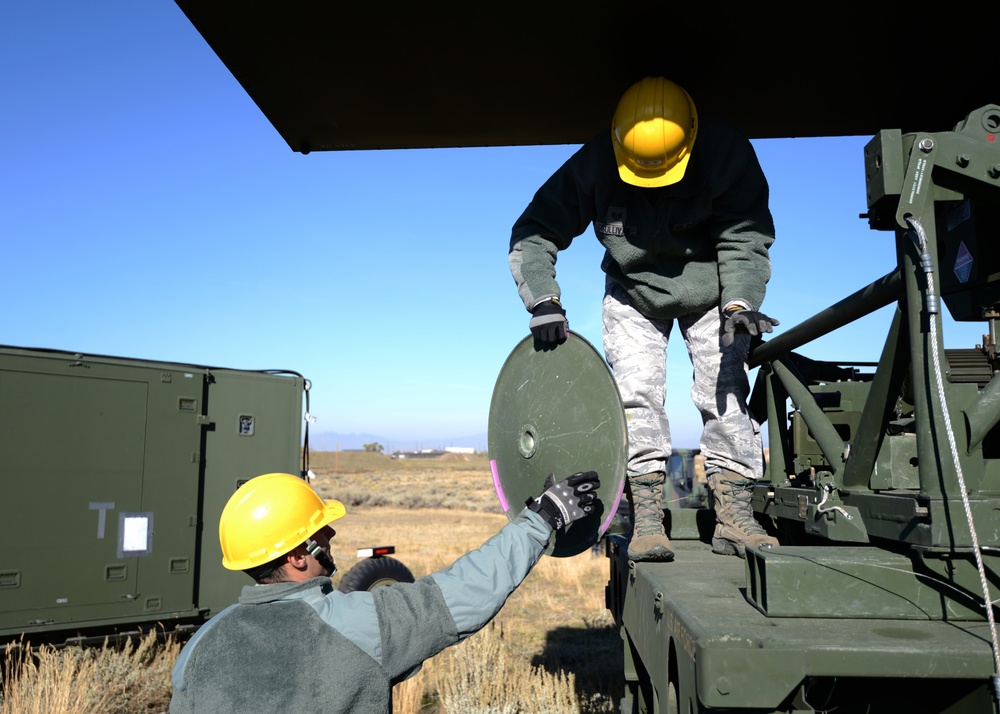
(114, 475)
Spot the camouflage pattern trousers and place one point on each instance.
(635, 347)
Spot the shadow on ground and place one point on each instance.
(594, 657)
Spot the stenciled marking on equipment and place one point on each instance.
(682, 635)
(918, 178)
(102, 510)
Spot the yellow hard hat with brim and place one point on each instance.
(653, 132)
(270, 515)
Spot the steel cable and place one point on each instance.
(931, 304)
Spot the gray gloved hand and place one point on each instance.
(749, 321)
(569, 500)
(548, 322)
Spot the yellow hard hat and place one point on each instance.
(270, 515)
(653, 131)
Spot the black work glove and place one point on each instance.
(548, 322)
(749, 321)
(569, 500)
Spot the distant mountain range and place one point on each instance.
(332, 441)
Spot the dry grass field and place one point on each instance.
(553, 648)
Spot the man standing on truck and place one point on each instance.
(681, 205)
(294, 644)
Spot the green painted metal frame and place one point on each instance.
(835, 499)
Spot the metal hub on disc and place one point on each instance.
(557, 411)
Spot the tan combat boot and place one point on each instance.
(736, 527)
(649, 542)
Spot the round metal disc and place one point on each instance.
(557, 411)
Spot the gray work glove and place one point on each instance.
(569, 500)
(548, 322)
(751, 322)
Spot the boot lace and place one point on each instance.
(741, 510)
(648, 515)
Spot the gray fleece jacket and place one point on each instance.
(700, 243)
(305, 647)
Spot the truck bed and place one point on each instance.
(690, 629)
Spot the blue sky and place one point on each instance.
(151, 211)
